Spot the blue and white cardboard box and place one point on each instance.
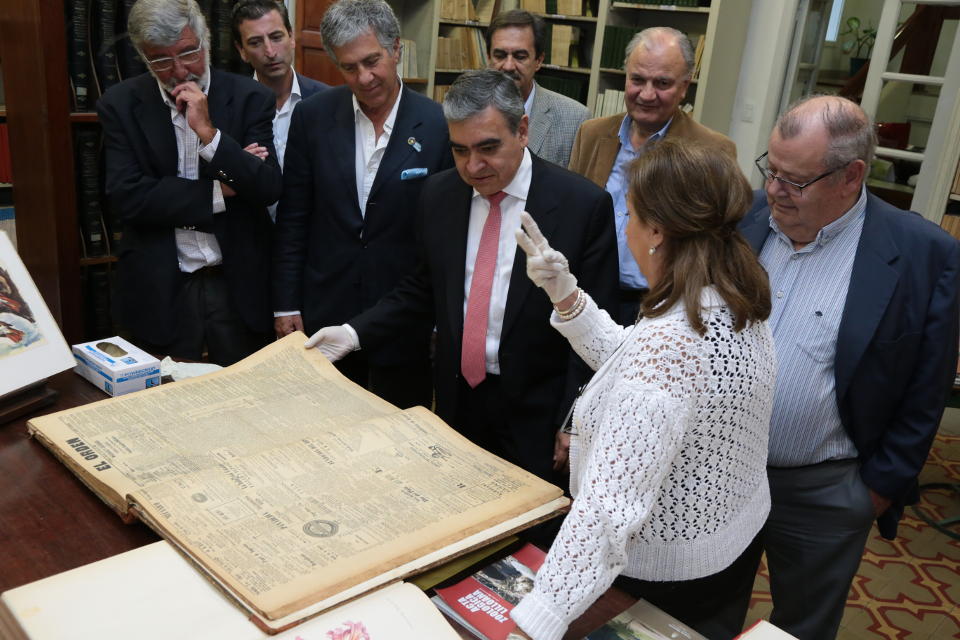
(116, 366)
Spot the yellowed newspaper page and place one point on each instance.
(288, 483)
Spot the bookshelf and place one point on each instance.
(722, 23)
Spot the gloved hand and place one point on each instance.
(334, 342)
(546, 267)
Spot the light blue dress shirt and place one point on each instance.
(808, 290)
(617, 186)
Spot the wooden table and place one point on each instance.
(50, 522)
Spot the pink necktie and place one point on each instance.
(473, 359)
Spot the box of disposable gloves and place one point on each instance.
(116, 366)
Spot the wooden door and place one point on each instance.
(311, 60)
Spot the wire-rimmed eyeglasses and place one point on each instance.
(792, 187)
(185, 58)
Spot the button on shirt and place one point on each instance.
(617, 186)
(510, 209)
(369, 149)
(195, 249)
(809, 290)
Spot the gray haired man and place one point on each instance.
(357, 158)
(194, 259)
(504, 379)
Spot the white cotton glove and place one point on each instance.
(546, 267)
(334, 342)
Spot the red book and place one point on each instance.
(482, 602)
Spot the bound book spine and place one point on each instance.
(78, 63)
(127, 58)
(89, 207)
(103, 14)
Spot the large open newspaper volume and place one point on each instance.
(289, 486)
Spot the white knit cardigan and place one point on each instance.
(668, 459)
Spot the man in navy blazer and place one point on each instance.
(357, 158)
(264, 39)
(865, 316)
(195, 255)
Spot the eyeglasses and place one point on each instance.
(185, 58)
(791, 187)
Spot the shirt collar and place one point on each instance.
(625, 132)
(528, 105)
(204, 86)
(519, 187)
(294, 87)
(835, 228)
(391, 119)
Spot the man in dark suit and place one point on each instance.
(504, 378)
(865, 314)
(264, 38)
(357, 158)
(195, 256)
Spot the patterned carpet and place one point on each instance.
(908, 588)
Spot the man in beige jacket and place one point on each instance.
(659, 63)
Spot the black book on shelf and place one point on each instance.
(78, 53)
(222, 47)
(97, 280)
(103, 17)
(89, 192)
(128, 60)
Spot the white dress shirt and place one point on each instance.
(369, 150)
(281, 127)
(195, 249)
(510, 209)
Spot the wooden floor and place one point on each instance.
(907, 588)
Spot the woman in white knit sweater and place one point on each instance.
(669, 438)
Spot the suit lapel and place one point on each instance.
(872, 283)
(454, 249)
(153, 118)
(755, 232)
(341, 135)
(399, 148)
(540, 121)
(542, 202)
(219, 99)
(608, 146)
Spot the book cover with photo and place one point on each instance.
(482, 602)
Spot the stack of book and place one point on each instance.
(615, 40)
(462, 48)
(609, 103)
(409, 67)
(460, 10)
(554, 7)
(563, 45)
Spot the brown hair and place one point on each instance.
(696, 196)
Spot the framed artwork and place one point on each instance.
(31, 346)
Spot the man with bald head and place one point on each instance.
(865, 314)
(659, 64)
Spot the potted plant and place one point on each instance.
(859, 45)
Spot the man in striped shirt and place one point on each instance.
(865, 320)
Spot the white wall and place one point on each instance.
(765, 57)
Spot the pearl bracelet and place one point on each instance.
(578, 305)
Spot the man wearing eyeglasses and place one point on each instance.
(195, 255)
(865, 314)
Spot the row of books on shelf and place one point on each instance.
(558, 7)
(100, 53)
(572, 87)
(616, 39)
(99, 232)
(674, 3)
(409, 65)
(462, 48)
(466, 10)
(566, 46)
(609, 103)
